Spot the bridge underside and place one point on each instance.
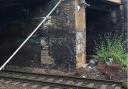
(64, 39)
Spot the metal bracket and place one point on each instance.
(84, 3)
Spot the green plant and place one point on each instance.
(125, 63)
(112, 46)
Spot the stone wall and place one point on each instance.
(31, 53)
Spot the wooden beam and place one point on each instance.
(115, 1)
(80, 27)
(99, 8)
(79, 17)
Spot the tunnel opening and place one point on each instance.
(98, 23)
(94, 19)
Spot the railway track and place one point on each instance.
(60, 82)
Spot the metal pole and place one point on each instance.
(30, 36)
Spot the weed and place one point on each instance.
(112, 46)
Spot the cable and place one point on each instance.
(29, 36)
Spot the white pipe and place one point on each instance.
(29, 36)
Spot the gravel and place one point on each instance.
(12, 86)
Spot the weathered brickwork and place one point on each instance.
(67, 12)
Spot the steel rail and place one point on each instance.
(68, 77)
(47, 83)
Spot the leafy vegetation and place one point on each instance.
(112, 46)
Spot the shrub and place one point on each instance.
(112, 46)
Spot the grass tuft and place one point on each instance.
(112, 46)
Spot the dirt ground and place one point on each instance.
(83, 72)
(86, 72)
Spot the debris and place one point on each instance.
(84, 65)
(92, 63)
